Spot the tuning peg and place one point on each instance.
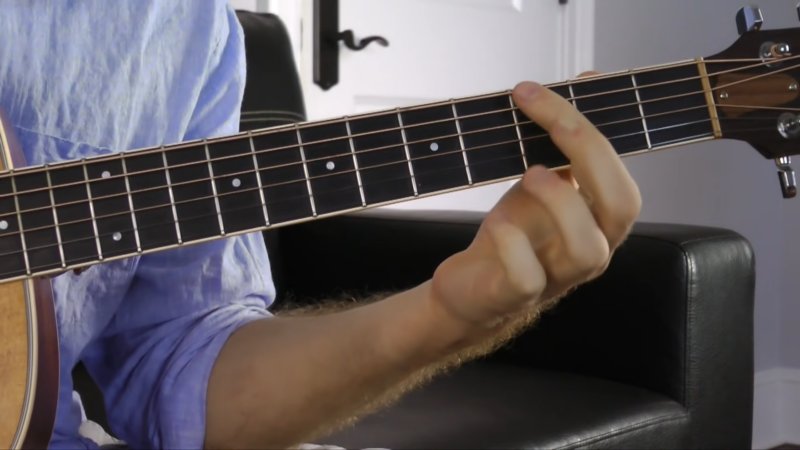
(786, 176)
(749, 18)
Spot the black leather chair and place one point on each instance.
(656, 353)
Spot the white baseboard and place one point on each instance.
(776, 415)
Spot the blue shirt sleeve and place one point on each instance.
(154, 358)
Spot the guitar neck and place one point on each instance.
(78, 213)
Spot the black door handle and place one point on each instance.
(326, 43)
(347, 37)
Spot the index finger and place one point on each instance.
(566, 174)
(598, 170)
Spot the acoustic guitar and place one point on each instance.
(75, 214)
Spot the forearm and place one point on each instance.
(281, 381)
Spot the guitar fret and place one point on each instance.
(355, 162)
(305, 170)
(519, 133)
(408, 154)
(55, 220)
(383, 173)
(171, 196)
(91, 213)
(21, 231)
(674, 102)
(214, 189)
(130, 203)
(258, 178)
(641, 111)
(461, 141)
(572, 96)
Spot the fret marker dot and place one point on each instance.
(434, 146)
(117, 236)
(330, 165)
(3, 225)
(106, 174)
(236, 182)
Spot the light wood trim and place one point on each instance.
(712, 106)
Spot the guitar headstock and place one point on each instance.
(755, 85)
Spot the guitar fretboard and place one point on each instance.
(77, 213)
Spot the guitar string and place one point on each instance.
(214, 178)
(165, 244)
(168, 243)
(248, 157)
(122, 155)
(346, 155)
(256, 205)
(303, 197)
(349, 153)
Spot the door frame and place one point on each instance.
(577, 31)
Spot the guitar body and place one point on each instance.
(29, 360)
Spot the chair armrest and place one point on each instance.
(672, 314)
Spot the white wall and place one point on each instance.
(721, 183)
(251, 5)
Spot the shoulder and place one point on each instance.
(95, 74)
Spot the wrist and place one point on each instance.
(425, 331)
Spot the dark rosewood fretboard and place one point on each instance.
(77, 213)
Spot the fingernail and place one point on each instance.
(536, 176)
(527, 90)
(539, 174)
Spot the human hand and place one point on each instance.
(548, 233)
(566, 174)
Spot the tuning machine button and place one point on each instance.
(780, 50)
(789, 125)
(786, 177)
(749, 18)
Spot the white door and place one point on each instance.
(442, 49)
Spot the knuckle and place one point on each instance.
(590, 257)
(620, 217)
(622, 210)
(598, 254)
(526, 278)
(529, 286)
(603, 267)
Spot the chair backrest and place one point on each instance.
(272, 95)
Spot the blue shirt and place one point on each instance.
(85, 77)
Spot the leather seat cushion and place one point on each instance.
(491, 405)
